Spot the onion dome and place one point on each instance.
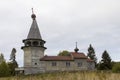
(76, 49)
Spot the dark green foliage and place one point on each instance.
(1, 58)
(64, 53)
(91, 54)
(13, 63)
(4, 69)
(101, 66)
(116, 68)
(12, 66)
(105, 63)
(7, 69)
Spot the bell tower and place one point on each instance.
(33, 46)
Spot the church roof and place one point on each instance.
(77, 55)
(56, 58)
(74, 55)
(34, 32)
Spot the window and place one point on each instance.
(54, 64)
(67, 64)
(79, 64)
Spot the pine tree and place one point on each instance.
(12, 55)
(91, 54)
(106, 60)
(105, 63)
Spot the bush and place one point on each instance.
(64, 53)
(116, 68)
(12, 66)
(4, 69)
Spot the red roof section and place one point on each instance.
(74, 55)
(56, 58)
(77, 55)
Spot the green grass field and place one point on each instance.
(69, 76)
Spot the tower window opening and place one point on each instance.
(28, 43)
(35, 43)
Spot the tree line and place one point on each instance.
(8, 68)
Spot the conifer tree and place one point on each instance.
(91, 54)
(106, 60)
(13, 63)
(12, 55)
(105, 63)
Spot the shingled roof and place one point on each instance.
(74, 55)
(77, 55)
(34, 32)
(56, 58)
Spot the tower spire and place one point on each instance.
(76, 49)
(34, 32)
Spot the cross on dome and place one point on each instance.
(33, 16)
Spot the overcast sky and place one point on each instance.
(62, 23)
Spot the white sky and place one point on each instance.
(62, 23)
